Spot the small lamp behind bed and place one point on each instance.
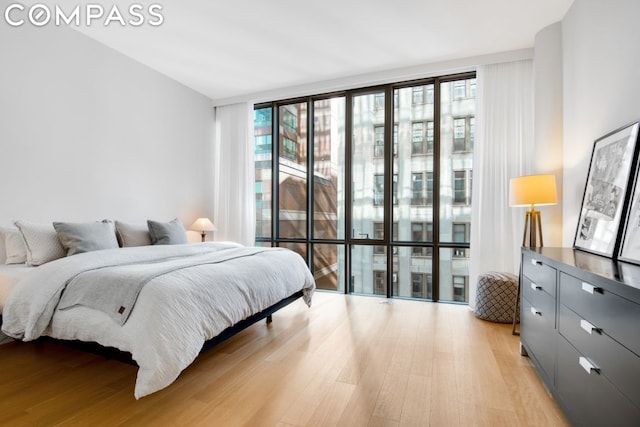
(202, 225)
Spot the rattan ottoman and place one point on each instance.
(496, 297)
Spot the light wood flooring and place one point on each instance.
(347, 361)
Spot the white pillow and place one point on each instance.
(42, 243)
(14, 246)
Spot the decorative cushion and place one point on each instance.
(85, 237)
(132, 234)
(14, 246)
(496, 297)
(41, 241)
(167, 233)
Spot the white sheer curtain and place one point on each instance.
(504, 149)
(234, 174)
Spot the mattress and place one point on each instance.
(10, 275)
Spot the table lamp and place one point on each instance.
(202, 225)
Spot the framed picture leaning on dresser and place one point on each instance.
(607, 194)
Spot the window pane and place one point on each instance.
(368, 180)
(328, 168)
(454, 277)
(293, 171)
(368, 271)
(328, 266)
(263, 152)
(413, 167)
(457, 111)
(412, 275)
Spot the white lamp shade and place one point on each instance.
(532, 190)
(202, 224)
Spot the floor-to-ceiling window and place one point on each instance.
(372, 186)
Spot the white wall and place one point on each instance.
(601, 87)
(87, 133)
(548, 123)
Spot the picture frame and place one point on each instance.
(630, 243)
(607, 192)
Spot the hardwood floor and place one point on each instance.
(347, 361)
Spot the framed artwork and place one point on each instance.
(630, 245)
(613, 162)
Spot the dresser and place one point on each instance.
(580, 326)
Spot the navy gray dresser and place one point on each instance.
(580, 325)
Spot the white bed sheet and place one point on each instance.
(166, 329)
(10, 275)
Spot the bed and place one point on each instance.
(164, 303)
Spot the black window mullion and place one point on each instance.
(275, 173)
(388, 188)
(310, 180)
(435, 255)
(348, 202)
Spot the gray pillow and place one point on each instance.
(86, 237)
(132, 234)
(167, 233)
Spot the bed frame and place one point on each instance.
(123, 356)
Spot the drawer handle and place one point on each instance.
(590, 289)
(588, 327)
(535, 312)
(536, 287)
(535, 262)
(588, 366)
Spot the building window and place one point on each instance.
(378, 190)
(460, 234)
(463, 129)
(460, 288)
(421, 285)
(378, 234)
(417, 138)
(462, 187)
(459, 89)
(417, 189)
(417, 95)
(422, 136)
(421, 188)
(429, 198)
(422, 232)
(378, 141)
(263, 118)
(380, 282)
(263, 144)
(378, 101)
(472, 88)
(290, 121)
(289, 149)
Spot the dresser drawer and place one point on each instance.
(619, 365)
(616, 316)
(590, 398)
(537, 332)
(539, 273)
(536, 294)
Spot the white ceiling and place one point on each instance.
(232, 48)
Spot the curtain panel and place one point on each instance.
(504, 150)
(234, 174)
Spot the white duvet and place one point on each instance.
(174, 313)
